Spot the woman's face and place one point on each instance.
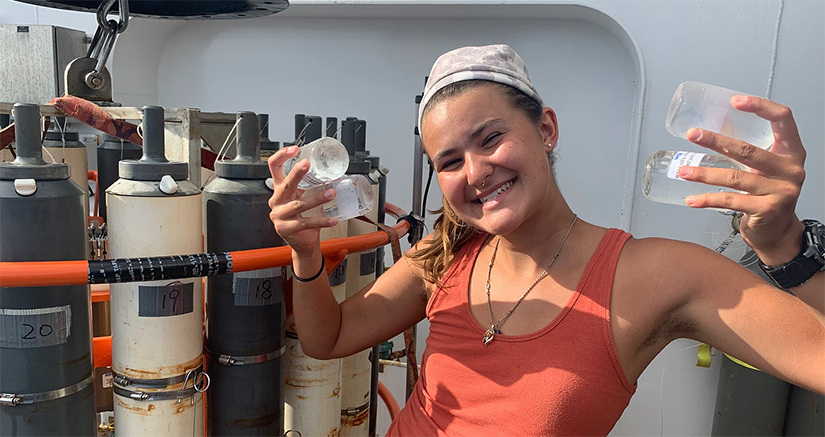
(491, 160)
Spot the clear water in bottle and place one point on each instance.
(328, 161)
(705, 106)
(353, 198)
(661, 181)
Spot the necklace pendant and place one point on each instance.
(489, 335)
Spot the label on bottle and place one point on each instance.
(681, 159)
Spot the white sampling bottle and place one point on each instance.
(661, 181)
(353, 198)
(708, 107)
(328, 161)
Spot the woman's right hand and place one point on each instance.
(287, 204)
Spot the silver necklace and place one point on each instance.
(490, 334)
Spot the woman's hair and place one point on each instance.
(450, 233)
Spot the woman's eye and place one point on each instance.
(450, 163)
(492, 138)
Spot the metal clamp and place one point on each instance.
(237, 360)
(156, 396)
(154, 383)
(349, 412)
(14, 399)
(200, 383)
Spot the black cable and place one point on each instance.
(426, 191)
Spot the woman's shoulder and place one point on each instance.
(668, 266)
(659, 250)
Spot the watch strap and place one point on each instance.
(809, 261)
(793, 273)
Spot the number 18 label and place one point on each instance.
(259, 287)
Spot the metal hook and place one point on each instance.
(103, 11)
(100, 51)
(196, 376)
(94, 46)
(111, 25)
(202, 376)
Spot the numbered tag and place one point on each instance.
(367, 266)
(38, 327)
(173, 299)
(339, 275)
(258, 287)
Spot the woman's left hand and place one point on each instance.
(769, 224)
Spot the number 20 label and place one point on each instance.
(37, 327)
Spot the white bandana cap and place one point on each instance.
(495, 63)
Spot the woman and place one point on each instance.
(541, 323)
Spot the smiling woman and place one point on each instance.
(521, 294)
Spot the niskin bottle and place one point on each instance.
(46, 382)
(245, 311)
(157, 325)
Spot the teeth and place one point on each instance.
(493, 195)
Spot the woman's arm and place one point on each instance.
(732, 309)
(769, 225)
(383, 309)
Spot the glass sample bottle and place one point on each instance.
(697, 104)
(661, 181)
(328, 161)
(353, 198)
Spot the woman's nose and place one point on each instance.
(478, 169)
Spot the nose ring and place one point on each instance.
(483, 182)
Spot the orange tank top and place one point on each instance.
(564, 379)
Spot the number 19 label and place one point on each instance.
(172, 299)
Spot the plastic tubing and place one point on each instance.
(389, 400)
(58, 273)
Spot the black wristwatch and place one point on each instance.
(809, 261)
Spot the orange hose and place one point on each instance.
(57, 273)
(43, 273)
(102, 351)
(389, 400)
